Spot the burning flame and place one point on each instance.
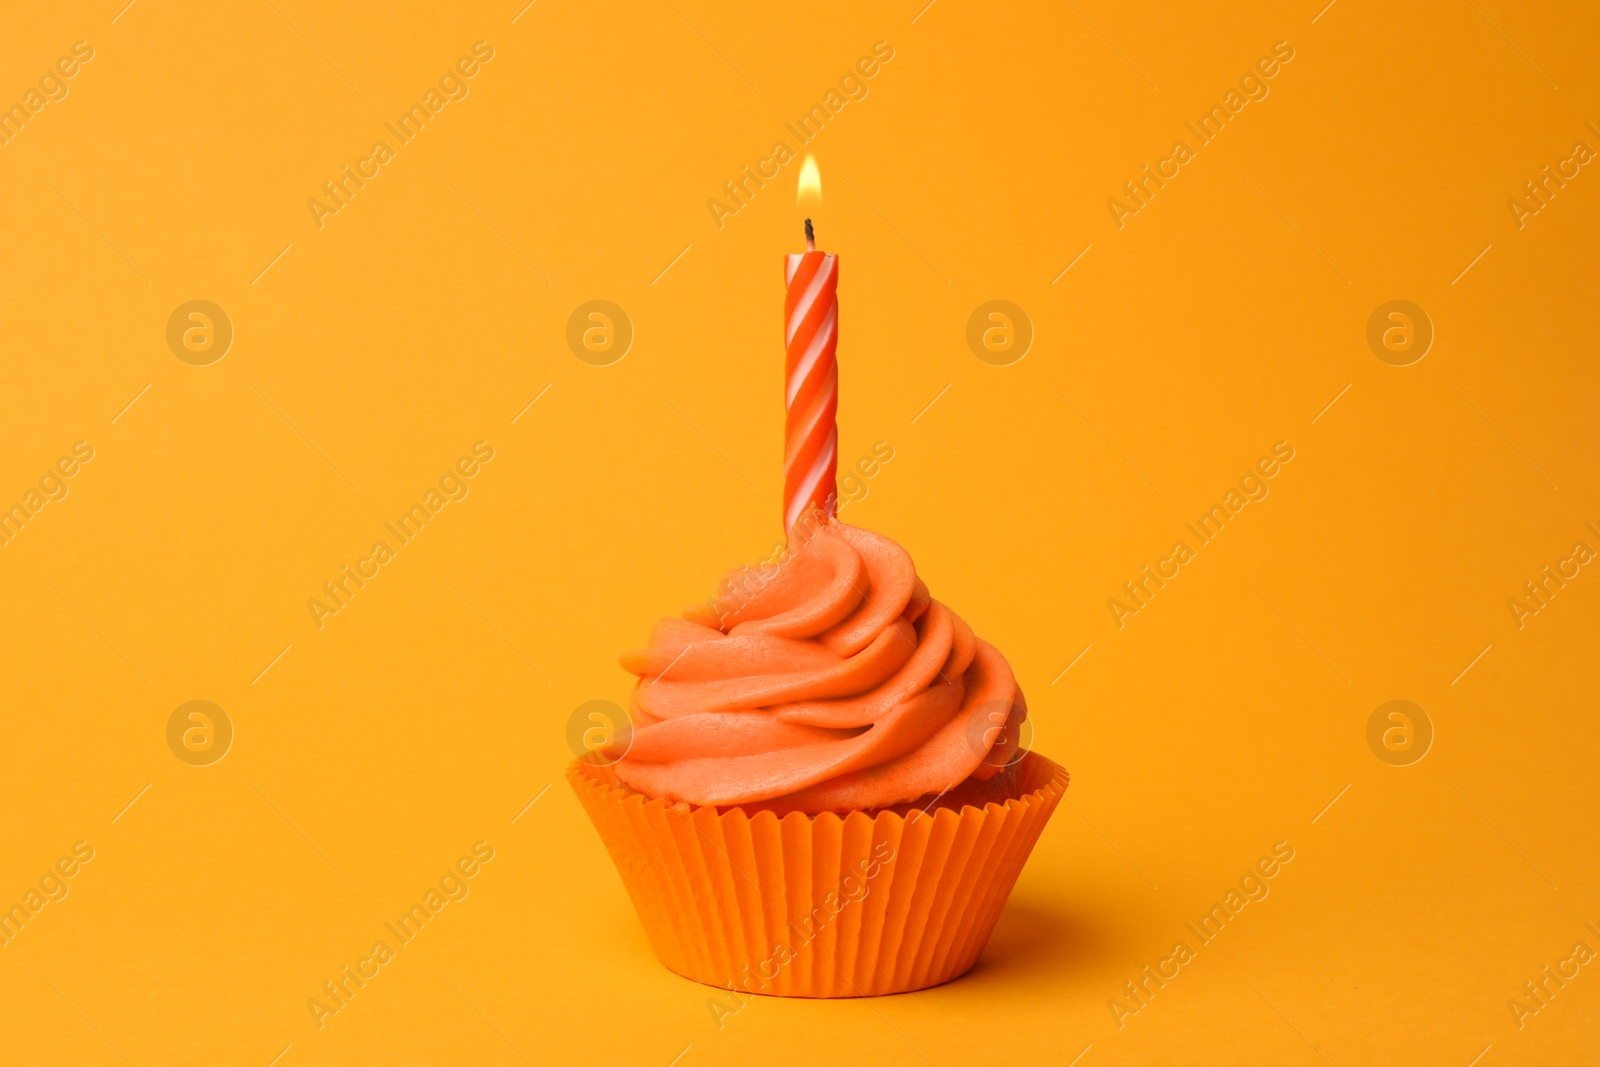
(810, 181)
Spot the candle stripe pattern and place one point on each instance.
(811, 393)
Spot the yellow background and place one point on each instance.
(426, 315)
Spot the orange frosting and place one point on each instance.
(833, 682)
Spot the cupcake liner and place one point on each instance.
(860, 904)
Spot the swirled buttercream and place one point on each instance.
(831, 682)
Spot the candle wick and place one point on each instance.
(811, 237)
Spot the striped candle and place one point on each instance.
(811, 393)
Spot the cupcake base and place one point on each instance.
(868, 903)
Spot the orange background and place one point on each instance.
(370, 754)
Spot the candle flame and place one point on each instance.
(810, 182)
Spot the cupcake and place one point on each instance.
(822, 792)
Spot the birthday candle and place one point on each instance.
(811, 382)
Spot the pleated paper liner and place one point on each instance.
(876, 902)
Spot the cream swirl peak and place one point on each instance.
(839, 684)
